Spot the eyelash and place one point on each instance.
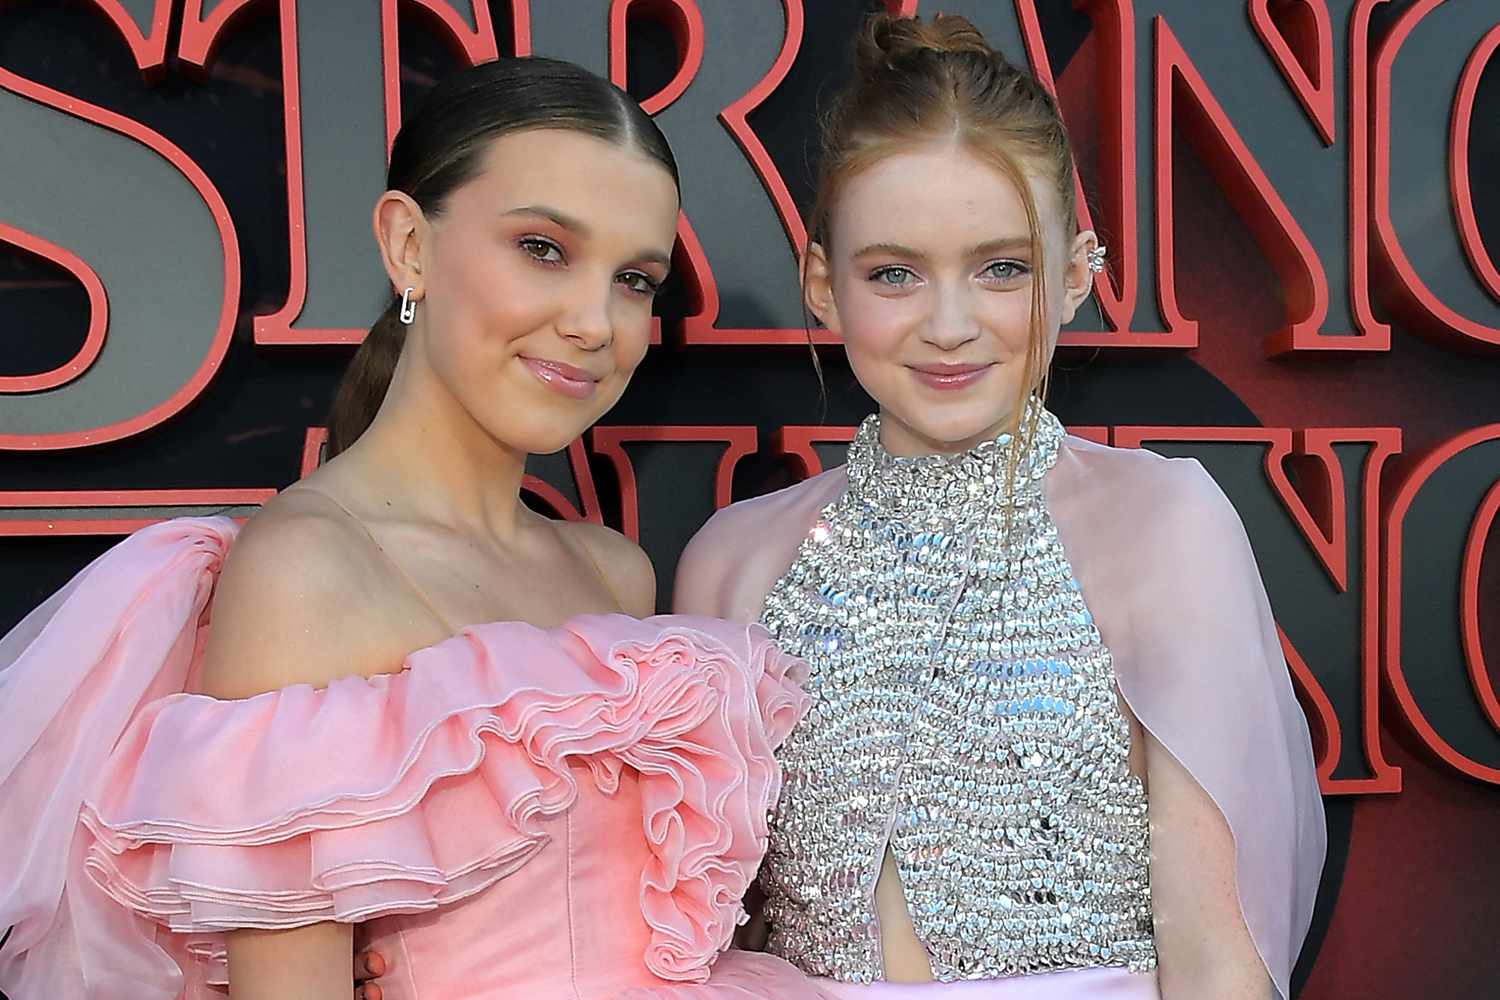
(881, 273)
(652, 286)
(528, 243)
(648, 287)
(1017, 270)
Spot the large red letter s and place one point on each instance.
(148, 235)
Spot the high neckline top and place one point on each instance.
(963, 486)
(964, 716)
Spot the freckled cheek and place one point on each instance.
(1007, 317)
(876, 328)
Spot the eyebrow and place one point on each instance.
(561, 218)
(655, 257)
(582, 229)
(1004, 243)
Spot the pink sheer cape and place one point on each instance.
(1169, 576)
(141, 822)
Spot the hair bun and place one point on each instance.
(891, 43)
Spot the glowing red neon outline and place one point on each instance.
(1116, 287)
(700, 328)
(609, 442)
(93, 341)
(1468, 602)
(1458, 162)
(686, 22)
(583, 478)
(475, 45)
(1468, 596)
(1323, 718)
(276, 327)
(1377, 333)
(795, 441)
(1424, 310)
(1330, 546)
(520, 27)
(1098, 435)
(149, 47)
(201, 37)
(228, 241)
(1109, 301)
(313, 442)
(1285, 244)
(1316, 98)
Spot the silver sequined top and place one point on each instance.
(965, 714)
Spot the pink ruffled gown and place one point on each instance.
(519, 812)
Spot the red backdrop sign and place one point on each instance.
(1297, 197)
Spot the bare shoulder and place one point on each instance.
(286, 604)
(624, 564)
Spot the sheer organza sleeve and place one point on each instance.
(1170, 576)
(73, 674)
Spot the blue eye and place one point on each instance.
(639, 283)
(541, 249)
(893, 276)
(1005, 270)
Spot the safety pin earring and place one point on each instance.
(1096, 258)
(408, 307)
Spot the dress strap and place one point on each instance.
(402, 573)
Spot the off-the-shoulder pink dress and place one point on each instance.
(518, 812)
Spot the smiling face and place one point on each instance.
(928, 280)
(536, 281)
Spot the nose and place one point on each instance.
(586, 321)
(952, 323)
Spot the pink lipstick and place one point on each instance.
(949, 376)
(566, 379)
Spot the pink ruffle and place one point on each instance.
(406, 792)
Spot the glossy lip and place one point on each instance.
(562, 378)
(949, 376)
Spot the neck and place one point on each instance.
(904, 441)
(425, 456)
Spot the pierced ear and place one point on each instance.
(1078, 278)
(817, 287)
(400, 229)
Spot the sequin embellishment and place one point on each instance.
(964, 712)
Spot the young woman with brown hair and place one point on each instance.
(398, 703)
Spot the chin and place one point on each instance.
(549, 443)
(538, 437)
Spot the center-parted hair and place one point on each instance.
(918, 83)
(441, 147)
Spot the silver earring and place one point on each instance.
(1096, 258)
(408, 307)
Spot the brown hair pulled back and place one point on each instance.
(916, 83)
(441, 146)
